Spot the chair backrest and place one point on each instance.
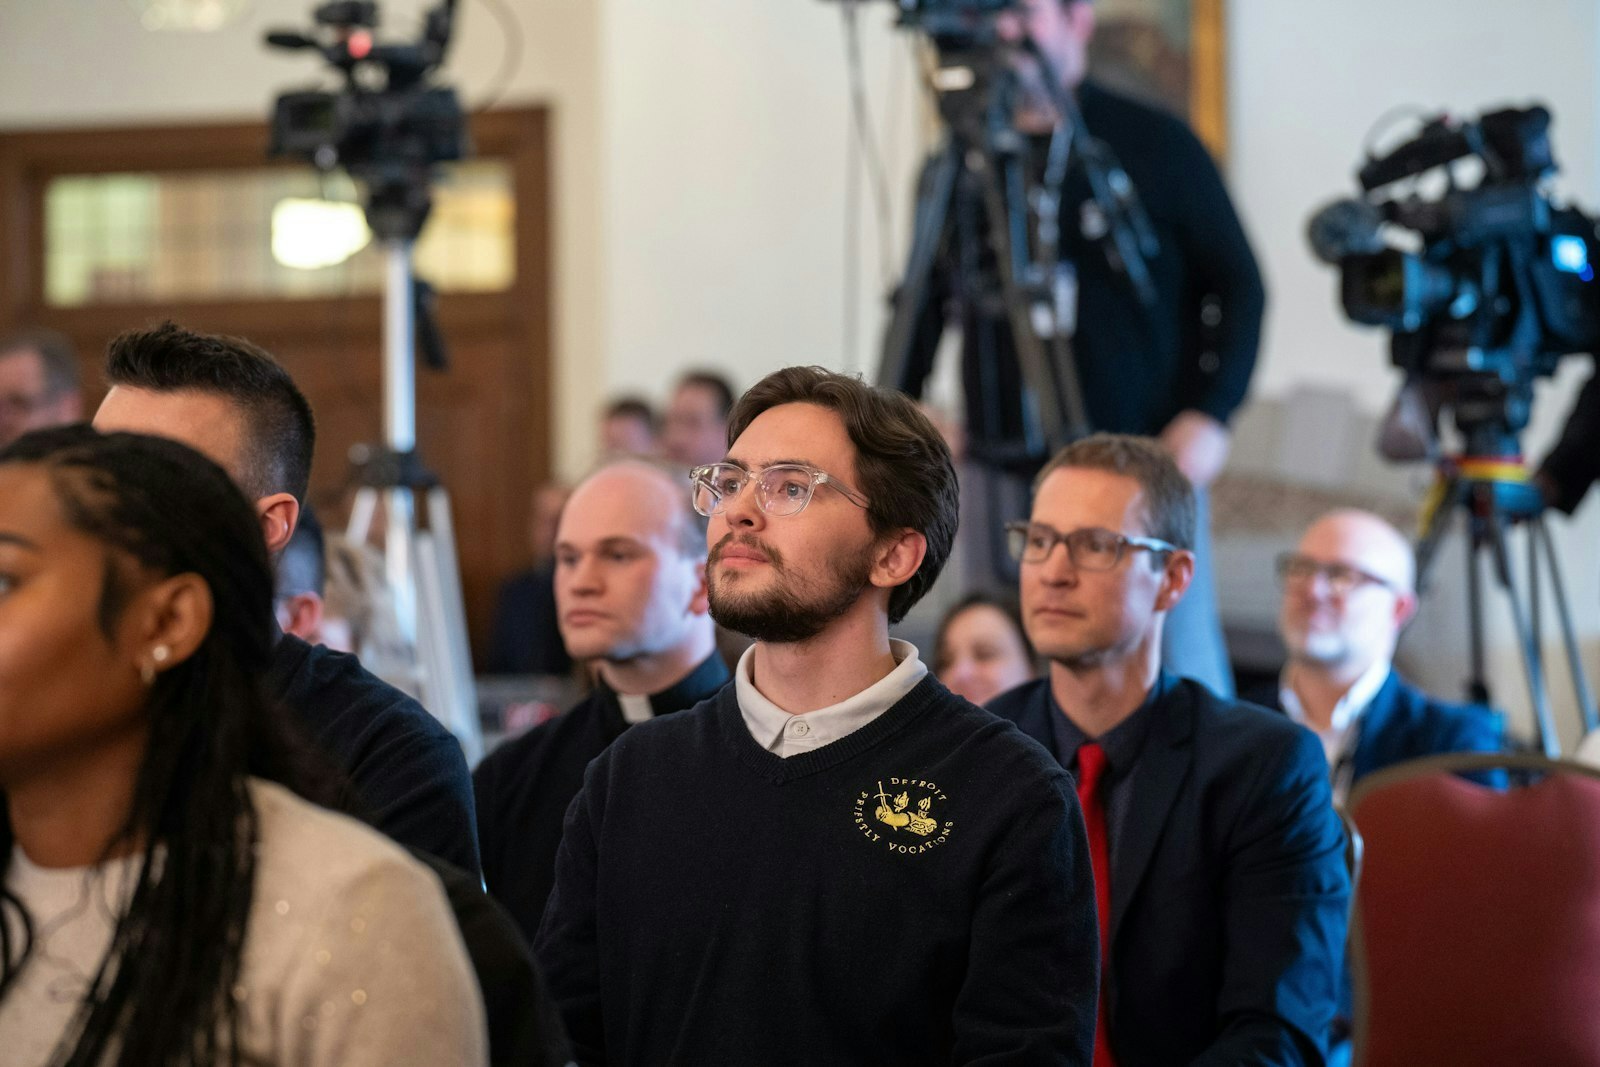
(1476, 936)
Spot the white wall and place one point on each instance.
(88, 63)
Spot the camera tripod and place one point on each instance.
(1022, 277)
(417, 543)
(1494, 493)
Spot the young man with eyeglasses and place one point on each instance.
(1348, 591)
(835, 861)
(1218, 859)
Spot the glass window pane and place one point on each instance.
(265, 233)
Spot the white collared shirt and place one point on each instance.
(786, 735)
(1338, 741)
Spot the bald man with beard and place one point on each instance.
(1348, 591)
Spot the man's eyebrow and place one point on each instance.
(18, 540)
(769, 463)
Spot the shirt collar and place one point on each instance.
(1121, 744)
(780, 732)
(708, 677)
(1347, 710)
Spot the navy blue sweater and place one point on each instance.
(917, 892)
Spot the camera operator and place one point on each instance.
(1572, 466)
(1176, 370)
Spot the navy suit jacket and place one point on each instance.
(1403, 723)
(1229, 890)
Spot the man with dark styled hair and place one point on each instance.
(695, 428)
(631, 600)
(39, 382)
(231, 401)
(1218, 859)
(834, 860)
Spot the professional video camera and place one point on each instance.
(387, 127)
(1497, 284)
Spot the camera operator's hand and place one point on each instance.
(1199, 444)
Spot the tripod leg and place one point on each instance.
(359, 528)
(1532, 659)
(442, 629)
(911, 302)
(1569, 637)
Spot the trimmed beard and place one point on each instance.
(789, 611)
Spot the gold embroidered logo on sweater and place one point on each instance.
(907, 815)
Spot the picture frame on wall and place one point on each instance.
(1170, 53)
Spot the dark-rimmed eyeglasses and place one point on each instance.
(1343, 579)
(781, 489)
(1089, 549)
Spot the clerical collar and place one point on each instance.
(710, 676)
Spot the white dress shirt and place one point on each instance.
(786, 734)
(1339, 740)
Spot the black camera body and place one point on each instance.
(388, 127)
(1498, 281)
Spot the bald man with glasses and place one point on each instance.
(1348, 592)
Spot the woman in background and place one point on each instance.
(980, 650)
(166, 900)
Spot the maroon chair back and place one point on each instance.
(1476, 936)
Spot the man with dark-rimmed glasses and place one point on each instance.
(1218, 859)
(835, 860)
(1348, 591)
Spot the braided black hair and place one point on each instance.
(164, 997)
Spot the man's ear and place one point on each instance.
(1405, 609)
(171, 620)
(898, 558)
(1177, 574)
(301, 615)
(279, 514)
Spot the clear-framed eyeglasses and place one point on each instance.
(781, 489)
(1089, 549)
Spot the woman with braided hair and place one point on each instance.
(166, 899)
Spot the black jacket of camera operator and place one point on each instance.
(1195, 349)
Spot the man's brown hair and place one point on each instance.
(903, 465)
(1168, 496)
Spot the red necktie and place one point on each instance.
(1091, 771)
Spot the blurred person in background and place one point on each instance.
(40, 382)
(525, 638)
(981, 649)
(695, 427)
(168, 897)
(1348, 591)
(628, 427)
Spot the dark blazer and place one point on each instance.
(1403, 723)
(1229, 889)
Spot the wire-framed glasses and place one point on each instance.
(1089, 549)
(781, 489)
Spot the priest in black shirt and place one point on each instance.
(229, 400)
(631, 597)
(835, 860)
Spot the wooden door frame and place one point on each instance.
(521, 137)
(30, 159)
